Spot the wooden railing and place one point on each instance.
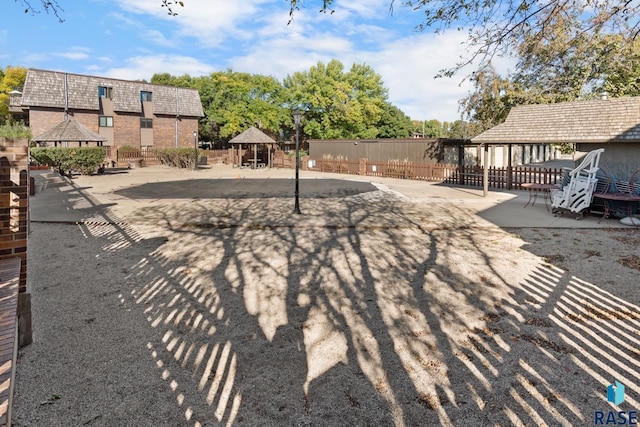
(499, 177)
(149, 156)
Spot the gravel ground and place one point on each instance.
(215, 313)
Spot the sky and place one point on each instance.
(133, 40)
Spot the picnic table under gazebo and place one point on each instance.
(252, 137)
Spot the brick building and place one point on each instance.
(130, 113)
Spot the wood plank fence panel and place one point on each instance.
(447, 173)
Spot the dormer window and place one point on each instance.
(105, 92)
(145, 96)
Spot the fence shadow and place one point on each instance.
(373, 312)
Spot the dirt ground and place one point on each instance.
(220, 313)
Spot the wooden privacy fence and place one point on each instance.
(499, 177)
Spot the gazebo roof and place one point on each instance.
(253, 135)
(69, 130)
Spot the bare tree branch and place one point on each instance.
(54, 8)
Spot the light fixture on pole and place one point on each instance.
(297, 115)
(195, 146)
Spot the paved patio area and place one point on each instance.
(392, 303)
(125, 190)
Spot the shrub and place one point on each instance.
(129, 149)
(177, 157)
(301, 152)
(14, 130)
(86, 160)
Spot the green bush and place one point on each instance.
(15, 130)
(177, 157)
(86, 160)
(129, 149)
(301, 152)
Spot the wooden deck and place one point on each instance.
(9, 282)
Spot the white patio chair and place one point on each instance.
(578, 194)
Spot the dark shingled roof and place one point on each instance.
(252, 135)
(70, 131)
(593, 121)
(46, 89)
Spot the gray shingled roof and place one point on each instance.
(595, 121)
(70, 131)
(252, 135)
(46, 89)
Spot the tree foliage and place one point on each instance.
(235, 101)
(168, 80)
(431, 128)
(565, 69)
(394, 123)
(15, 130)
(338, 104)
(12, 78)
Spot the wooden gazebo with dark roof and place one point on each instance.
(68, 131)
(252, 137)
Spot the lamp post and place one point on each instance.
(195, 147)
(297, 115)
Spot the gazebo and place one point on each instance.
(252, 137)
(68, 131)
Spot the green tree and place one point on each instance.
(564, 69)
(12, 78)
(431, 128)
(620, 72)
(168, 80)
(462, 129)
(338, 104)
(235, 101)
(490, 102)
(394, 123)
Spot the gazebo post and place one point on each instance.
(485, 177)
(255, 155)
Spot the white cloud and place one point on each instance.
(253, 36)
(407, 64)
(75, 56)
(157, 38)
(208, 21)
(364, 8)
(32, 58)
(144, 67)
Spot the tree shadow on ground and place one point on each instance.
(373, 312)
(246, 189)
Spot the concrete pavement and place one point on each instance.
(120, 192)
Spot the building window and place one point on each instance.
(105, 92)
(146, 123)
(105, 121)
(145, 96)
